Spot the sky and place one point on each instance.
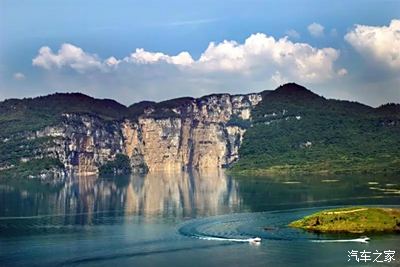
(156, 50)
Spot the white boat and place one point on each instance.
(255, 240)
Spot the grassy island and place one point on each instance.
(352, 220)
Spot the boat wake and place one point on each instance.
(255, 240)
(356, 240)
(256, 227)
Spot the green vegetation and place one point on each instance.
(121, 165)
(33, 167)
(352, 220)
(297, 131)
(31, 114)
(24, 157)
(21, 155)
(14, 149)
(292, 131)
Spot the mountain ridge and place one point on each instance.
(289, 129)
(288, 89)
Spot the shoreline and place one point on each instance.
(352, 220)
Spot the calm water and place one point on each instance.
(181, 219)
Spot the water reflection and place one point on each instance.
(181, 194)
(133, 221)
(177, 195)
(291, 192)
(90, 198)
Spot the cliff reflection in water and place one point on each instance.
(87, 200)
(181, 194)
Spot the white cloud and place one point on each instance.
(315, 29)
(278, 79)
(264, 53)
(19, 76)
(111, 62)
(293, 34)
(258, 61)
(381, 44)
(259, 53)
(141, 56)
(342, 72)
(67, 56)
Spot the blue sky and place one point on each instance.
(324, 48)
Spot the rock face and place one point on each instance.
(83, 143)
(202, 133)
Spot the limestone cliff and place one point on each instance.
(202, 133)
(197, 135)
(71, 133)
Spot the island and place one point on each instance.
(351, 220)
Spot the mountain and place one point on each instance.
(290, 129)
(295, 130)
(30, 114)
(64, 134)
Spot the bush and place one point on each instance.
(121, 165)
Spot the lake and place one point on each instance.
(184, 219)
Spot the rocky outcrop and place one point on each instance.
(196, 136)
(199, 133)
(82, 143)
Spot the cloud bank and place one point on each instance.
(379, 44)
(68, 55)
(259, 55)
(257, 63)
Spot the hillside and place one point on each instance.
(31, 114)
(287, 130)
(295, 130)
(65, 134)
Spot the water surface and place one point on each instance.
(181, 219)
